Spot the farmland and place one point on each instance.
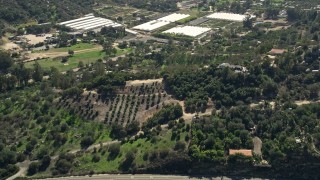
(132, 103)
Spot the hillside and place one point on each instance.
(136, 101)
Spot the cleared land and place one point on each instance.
(33, 39)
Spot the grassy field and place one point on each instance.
(187, 19)
(77, 47)
(123, 51)
(86, 58)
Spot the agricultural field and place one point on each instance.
(135, 102)
(55, 126)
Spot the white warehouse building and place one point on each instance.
(227, 16)
(155, 24)
(192, 31)
(88, 23)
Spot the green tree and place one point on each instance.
(44, 163)
(70, 52)
(293, 14)
(37, 72)
(33, 168)
(5, 61)
(86, 141)
(247, 22)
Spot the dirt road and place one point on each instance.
(23, 166)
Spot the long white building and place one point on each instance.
(192, 31)
(155, 24)
(88, 23)
(227, 16)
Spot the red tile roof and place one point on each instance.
(246, 152)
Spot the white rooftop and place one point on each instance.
(89, 22)
(151, 25)
(227, 16)
(174, 17)
(155, 24)
(192, 31)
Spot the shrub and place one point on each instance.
(33, 168)
(86, 141)
(96, 158)
(180, 146)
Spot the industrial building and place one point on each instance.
(89, 23)
(155, 24)
(151, 25)
(227, 16)
(174, 17)
(192, 31)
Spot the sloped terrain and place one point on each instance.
(137, 101)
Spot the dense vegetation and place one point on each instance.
(161, 6)
(279, 128)
(215, 95)
(22, 11)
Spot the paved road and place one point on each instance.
(142, 177)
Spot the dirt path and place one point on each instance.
(314, 146)
(273, 104)
(116, 58)
(257, 143)
(23, 166)
(188, 116)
